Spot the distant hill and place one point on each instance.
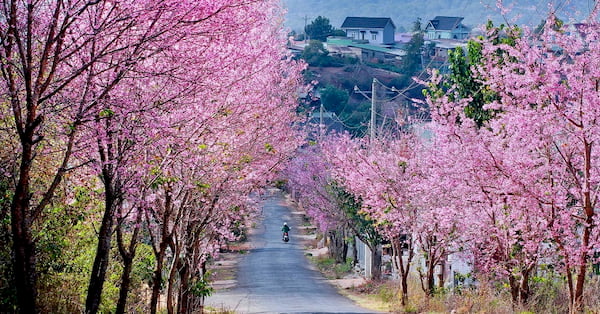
(405, 12)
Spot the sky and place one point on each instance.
(405, 12)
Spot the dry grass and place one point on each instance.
(548, 297)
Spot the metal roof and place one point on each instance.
(445, 22)
(367, 22)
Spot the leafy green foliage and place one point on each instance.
(201, 286)
(334, 99)
(356, 119)
(362, 225)
(7, 291)
(66, 246)
(331, 269)
(411, 62)
(319, 29)
(468, 84)
(315, 54)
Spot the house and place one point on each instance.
(372, 30)
(446, 27)
(439, 50)
(349, 47)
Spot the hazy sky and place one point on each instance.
(405, 12)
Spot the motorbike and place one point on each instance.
(286, 237)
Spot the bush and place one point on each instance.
(334, 99)
(330, 269)
(388, 67)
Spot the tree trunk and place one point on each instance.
(514, 289)
(430, 277)
(524, 291)
(404, 285)
(183, 300)
(338, 248)
(125, 283)
(128, 255)
(101, 260)
(571, 288)
(376, 262)
(442, 275)
(159, 253)
(354, 252)
(402, 268)
(24, 257)
(589, 210)
(171, 284)
(23, 245)
(577, 303)
(157, 279)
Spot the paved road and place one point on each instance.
(275, 277)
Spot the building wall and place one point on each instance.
(433, 34)
(454, 34)
(373, 35)
(388, 34)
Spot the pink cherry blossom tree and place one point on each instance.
(69, 65)
(59, 59)
(375, 173)
(527, 175)
(549, 103)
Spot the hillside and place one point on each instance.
(405, 12)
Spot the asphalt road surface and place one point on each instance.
(276, 277)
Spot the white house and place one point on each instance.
(374, 30)
(446, 27)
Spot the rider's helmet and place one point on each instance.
(285, 223)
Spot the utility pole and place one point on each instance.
(373, 109)
(374, 99)
(305, 22)
(321, 121)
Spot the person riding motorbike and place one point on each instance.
(285, 229)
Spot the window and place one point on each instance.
(374, 36)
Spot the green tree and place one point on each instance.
(334, 99)
(319, 29)
(338, 32)
(411, 62)
(357, 119)
(359, 224)
(316, 55)
(468, 84)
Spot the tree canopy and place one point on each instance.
(319, 29)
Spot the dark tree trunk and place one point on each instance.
(376, 262)
(157, 280)
(577, 300)
(23, 245)
(338, 248)
(514, 288)
(125, 283)
(354, 252)
(401, 267)
(525, 292)
(184, 290)
(430, 277)
(128, 255)
(404, 285)
(102, 252)
(442, 274)
(173, 273)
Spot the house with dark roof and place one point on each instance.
(372, 30)
(446, 27)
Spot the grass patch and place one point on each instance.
(330, 268)
(222, 310)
